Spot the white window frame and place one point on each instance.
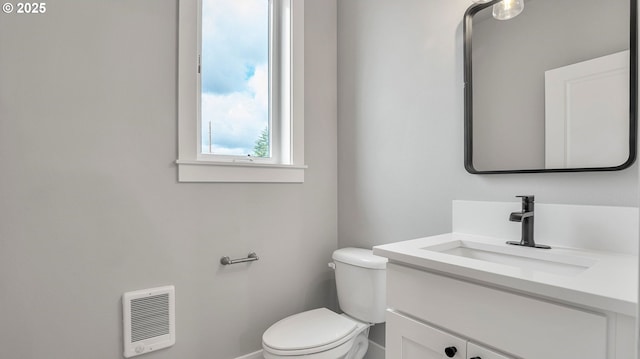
(287, 161)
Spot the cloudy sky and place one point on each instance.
(234, 74)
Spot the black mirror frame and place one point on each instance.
(468, 98)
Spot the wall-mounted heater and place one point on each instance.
(149, 320)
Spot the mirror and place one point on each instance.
(552, 89)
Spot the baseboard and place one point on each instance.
(376, 351)
(254, 355)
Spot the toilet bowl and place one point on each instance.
(323, 334)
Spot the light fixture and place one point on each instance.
(507, 9)
(481, 1)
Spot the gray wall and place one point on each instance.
(509, 61)
(400, 129)
(90, 206)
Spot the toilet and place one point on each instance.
(323, 334)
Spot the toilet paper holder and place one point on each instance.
(228, 261)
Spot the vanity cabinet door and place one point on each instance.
(475, 351)
(410, 339)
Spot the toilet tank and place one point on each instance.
(361, 283)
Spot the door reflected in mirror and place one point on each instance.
(552, 89)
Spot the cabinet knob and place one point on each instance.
(450, 351)
(476, 358)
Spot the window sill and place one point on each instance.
(207, 171)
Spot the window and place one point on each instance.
(241, 91)
(234, 78)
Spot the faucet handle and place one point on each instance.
(527, 198)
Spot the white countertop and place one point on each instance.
(609, 284)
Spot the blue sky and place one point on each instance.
(234, 73)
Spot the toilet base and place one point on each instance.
(360, 346)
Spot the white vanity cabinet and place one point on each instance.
(410, 339)
(429, 312)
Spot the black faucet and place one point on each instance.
(526, 218)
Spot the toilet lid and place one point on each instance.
(314, 328)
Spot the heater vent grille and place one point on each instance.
(149, 317)
(149, 320)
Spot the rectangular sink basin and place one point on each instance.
(544, 260)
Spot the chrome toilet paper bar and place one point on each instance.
(228, 261)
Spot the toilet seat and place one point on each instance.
(309, 332)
